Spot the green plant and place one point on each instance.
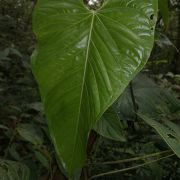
(87, 53)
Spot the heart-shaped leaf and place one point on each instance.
(85, 57)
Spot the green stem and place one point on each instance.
(130, 168)
(9, 144)
(132, 159)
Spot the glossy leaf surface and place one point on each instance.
(83, 61)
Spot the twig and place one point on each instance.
(132, 159)
(9, 144)
(133, 99)
(130, 168)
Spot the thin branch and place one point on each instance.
(131, 123)
(130, 168)
(132, 159)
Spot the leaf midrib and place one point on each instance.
(82, 88)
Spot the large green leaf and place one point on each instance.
(157, 106)
(150, 99)
(84, 60)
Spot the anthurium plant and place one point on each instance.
(87, 53)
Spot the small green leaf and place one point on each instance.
(15, 52)
(42, 158)
(110, 126)
(30, 133)
(14, 152)
(37, 106)
(3, 127)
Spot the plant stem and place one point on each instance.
(85, 174)
(9, 144)
(130, 168)
(131, 123)
(132, 159)
(133, 99)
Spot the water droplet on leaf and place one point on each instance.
(93, 4)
